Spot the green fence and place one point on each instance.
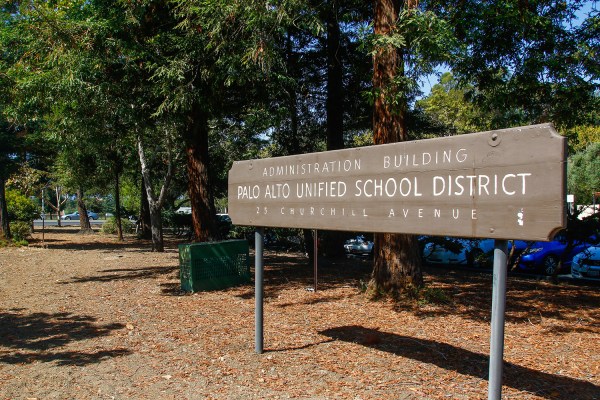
(214, 265)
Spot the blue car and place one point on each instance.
(546, 256)
(475, 253)
(91, 215)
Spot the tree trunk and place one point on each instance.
(145, 231)
(84, 220)
(397, 260)
(335, 85)
(334, 106)
(57, 191)
(59, 204)
(4, 223)
(155, 203)
(389, 125)
(156, 229)
(201, 198)
(397, 264)
(118, 206)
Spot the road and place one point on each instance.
(53, 222)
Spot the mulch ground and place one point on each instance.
(87, 317)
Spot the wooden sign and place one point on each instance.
(504, 184)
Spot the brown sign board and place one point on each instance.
(503, 184)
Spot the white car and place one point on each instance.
(358, 245)
(586, 264)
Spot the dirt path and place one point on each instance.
(89, 318)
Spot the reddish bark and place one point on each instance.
(4, 225)
(397, 262)
(201, 198)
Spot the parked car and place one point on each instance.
(75, 215)
(358, 245)
(545, 257)
(458, 251)
(587, 263)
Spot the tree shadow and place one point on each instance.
(311, 301)
(39, 337)
(466, 362)
(120, 274)
(141, 246)
(468, 292)
(173, 289)
(527, 300)
(131, 243)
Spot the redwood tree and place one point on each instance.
(397, 261)
(199, 189)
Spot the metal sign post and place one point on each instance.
(498, 307)
(315, 253)
(258, 289)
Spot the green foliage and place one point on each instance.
(584, 174)
(11, 145)
(361, 139)
(527, 62)
(20, 230)
(447, 105)
(242, 232)
(434, 296)
(581, 136)
(20, 208)
(427, 295)
(221, 204)
(110, 226)
(130, 196)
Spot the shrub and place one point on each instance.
(110, 226)
(20, 230)
(20, 208)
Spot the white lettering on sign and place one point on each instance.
(312, 168)
(320, 189)
(425, 158)
(277, 190)
(248, 192)
(480, 185)
(390, 187)
(436, 213)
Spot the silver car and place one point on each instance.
(358, 245)
(91, 215)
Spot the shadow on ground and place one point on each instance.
(121, 274)
(466, 362)
(40, 337)
(466, 293)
